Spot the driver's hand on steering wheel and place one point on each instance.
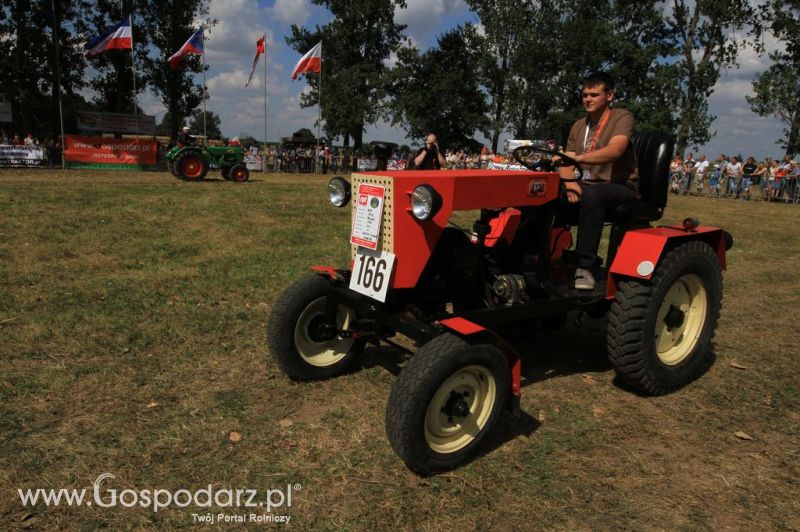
(573, 191)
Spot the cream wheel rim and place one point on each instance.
(680, 319)
(460, 409)
(322, 353)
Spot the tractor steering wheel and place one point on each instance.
(524, 156)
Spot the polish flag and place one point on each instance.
(193, 46)
(260, 48)
(311, 62)
(119, 37)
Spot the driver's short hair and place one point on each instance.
(597, 78)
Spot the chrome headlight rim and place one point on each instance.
(339, 192)
(425, 202)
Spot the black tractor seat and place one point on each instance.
(653, 155)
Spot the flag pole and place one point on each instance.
(319, 106)
(57, 86)
(203, 57)
(133, 75)
(265, 103)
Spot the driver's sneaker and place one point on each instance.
(584, 280)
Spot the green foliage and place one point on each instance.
(776, 91)
(169, 24)
(709, 35)
(113, 83)
(30, 33)
(355, 46)
(439, 91)
(213, 130)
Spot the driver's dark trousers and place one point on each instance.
(596, 200)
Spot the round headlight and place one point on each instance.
(339, 191)
(425, 202)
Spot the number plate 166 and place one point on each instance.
(372, 271)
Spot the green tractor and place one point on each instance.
(192, 163)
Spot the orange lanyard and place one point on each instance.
(603, 121)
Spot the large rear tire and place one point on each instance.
(445, 402)
(660, 331)
(296, 340)
(191, 166)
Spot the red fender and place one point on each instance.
(641, 249)
(329, 270)
(474, 333)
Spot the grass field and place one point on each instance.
(132, 320)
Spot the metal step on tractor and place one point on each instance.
(454, 292)
(192, 162)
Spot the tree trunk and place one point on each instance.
(793, 143)
(683, 128)
(499, 100)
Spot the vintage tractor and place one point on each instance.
(192, 162)
(454, 292)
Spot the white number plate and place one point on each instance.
(372, 271)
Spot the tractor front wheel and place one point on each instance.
(191, 166)
(445, 402)
(239, 173)
(171, 167)
(226, 173)
(297, 336)
(660, 331)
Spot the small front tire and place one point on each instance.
(296, 340)
(445, 402)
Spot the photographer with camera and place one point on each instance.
(430, 157)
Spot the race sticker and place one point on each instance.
(369, 214)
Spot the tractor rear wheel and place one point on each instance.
(191, 166)
(445, 402)
(660, 331)
(239, 173)
(298, 340)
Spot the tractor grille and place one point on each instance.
(386, 240)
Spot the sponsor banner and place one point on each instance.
(98, 152)
(367, 165)
(116, 123)
(505, 166)
(21, 155)
(253, 162)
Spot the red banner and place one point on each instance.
(100, 150)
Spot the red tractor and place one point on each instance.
(453, 292)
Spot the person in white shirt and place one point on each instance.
(734, 172)
(700, 168)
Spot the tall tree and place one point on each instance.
(439, 91)
(213, 122)
(709, 35)
(505, 26)
(355, 47)
(169, 25)
(777, 90)
(113, 84)
(34, 38)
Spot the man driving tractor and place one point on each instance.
(600, 142)
(185, 138)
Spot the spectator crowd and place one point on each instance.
(733, 178)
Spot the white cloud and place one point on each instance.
(291, 11)
(424, 17)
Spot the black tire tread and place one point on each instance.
(280, 332)
(626, 333)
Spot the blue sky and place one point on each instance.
(230, 46)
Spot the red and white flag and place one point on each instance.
(260, 47)
(311, 62)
